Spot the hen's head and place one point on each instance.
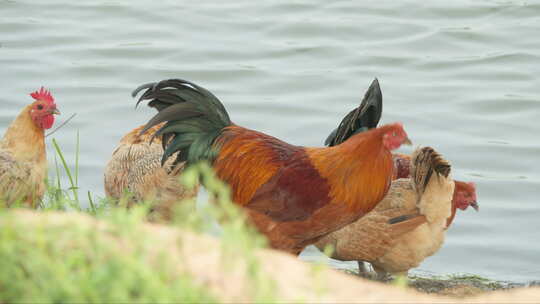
(43, 109)
(465, 195)
(394, 136)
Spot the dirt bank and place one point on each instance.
(228, 277)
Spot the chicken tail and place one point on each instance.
(194, 116)
(425, 162)
(363, 118)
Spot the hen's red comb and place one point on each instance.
(43, 95)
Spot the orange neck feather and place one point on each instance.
(24, 139)
(247, 160)
(359, 170)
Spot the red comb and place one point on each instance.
(43, 95)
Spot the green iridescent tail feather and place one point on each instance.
(366, 116)
(194, 118)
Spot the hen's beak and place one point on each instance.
(407, 142)
(475, 206)
(55, 111)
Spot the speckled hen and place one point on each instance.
(135, 173)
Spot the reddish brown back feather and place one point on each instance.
(295, 195)
(248, 159)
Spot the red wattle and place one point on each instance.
(47, 121)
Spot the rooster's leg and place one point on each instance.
(362, 269)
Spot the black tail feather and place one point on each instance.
(142, 87)
(363, 118)
(194, 118)
(401, 218)
(174, 112)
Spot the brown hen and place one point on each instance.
(408, 225)
(23, 158)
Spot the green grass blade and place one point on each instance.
(59, 184)
(92, 206)
(77, 160)
(73, 187)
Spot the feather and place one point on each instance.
(407, 224)
(180, 141)
(424, 164)
(142, 87)
(184, 91)
(365, 117)
(401, 218)
(194, 117)
(174, 112)
(158, 105)
(203, 148)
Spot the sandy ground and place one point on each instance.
(295, 280)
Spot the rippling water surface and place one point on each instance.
(463, 76)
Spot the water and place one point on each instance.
(462, 76)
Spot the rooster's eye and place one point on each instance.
(40, 107)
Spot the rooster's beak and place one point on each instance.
(55, 111)
(475, 206)
(407, 142)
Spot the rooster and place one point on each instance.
(391, 223)
(135, 172)
(294, 195)
(23, 159)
